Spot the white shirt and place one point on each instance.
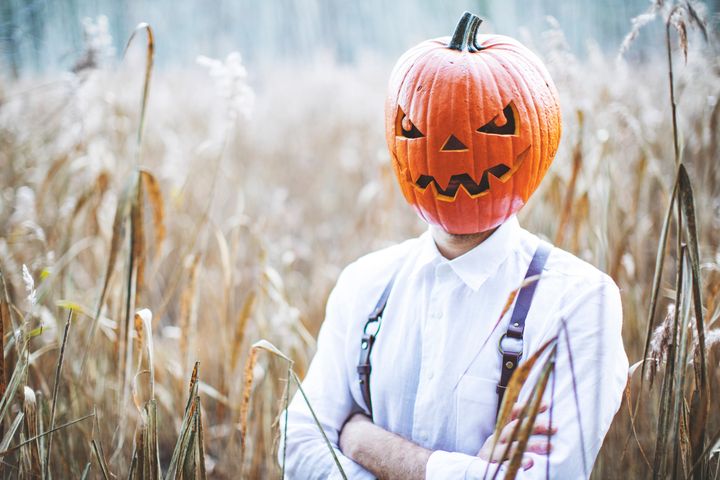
(433, 382)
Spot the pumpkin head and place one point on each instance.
(472, 124)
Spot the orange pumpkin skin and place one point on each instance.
(471, 131)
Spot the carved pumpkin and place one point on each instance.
(472, 124)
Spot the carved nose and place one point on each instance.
(453, 144)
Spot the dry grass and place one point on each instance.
(240, 227)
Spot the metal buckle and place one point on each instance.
(515, 345)
(377, 326)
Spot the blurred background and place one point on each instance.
(40, 35)
(227, 200)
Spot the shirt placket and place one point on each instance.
(428, 402)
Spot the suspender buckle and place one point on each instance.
(370, 331)
(510, 345)
(372, 326)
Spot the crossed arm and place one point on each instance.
(390, 456)
(382, 453)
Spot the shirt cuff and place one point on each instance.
(453, 465)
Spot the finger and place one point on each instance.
(527, 463)
(541, 448)
(504, 453)
(511, 452)
(538, 429)
(507, 431)
(544, 429)
(515, 412)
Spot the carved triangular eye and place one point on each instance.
(508, 128)
(404, 127)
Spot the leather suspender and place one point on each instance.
(511, 343)
(370, 331)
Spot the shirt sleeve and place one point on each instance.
(591, 363)
(307, 455)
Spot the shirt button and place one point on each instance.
(430, 375)
(436, 314)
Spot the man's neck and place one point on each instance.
(452, 246)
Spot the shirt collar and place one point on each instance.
(475, 266)
(429, 254)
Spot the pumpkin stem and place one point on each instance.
(465, 33)
(459, 38)
(472, 35)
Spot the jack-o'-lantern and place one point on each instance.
(472, 124)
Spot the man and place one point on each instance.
(473, 123)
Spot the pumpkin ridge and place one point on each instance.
(420, 66)
(489, 89)
(536, 135)
(478, 68)
(519, 121)
(411, 61)
(395, 101)
(438, 212)
(468, 81)
(396, 96)
(500, 42)
(547, 142)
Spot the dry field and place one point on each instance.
(230, 219)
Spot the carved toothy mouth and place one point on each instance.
(475, 189)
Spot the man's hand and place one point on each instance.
(540, 447)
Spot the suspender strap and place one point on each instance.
(372, 327)
(511, 343)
